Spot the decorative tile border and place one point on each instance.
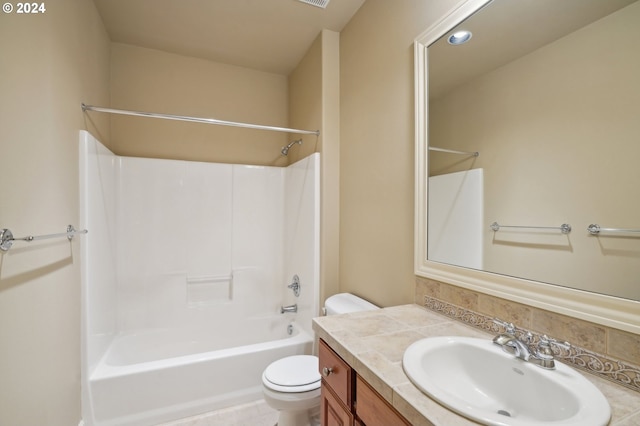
(600, 365)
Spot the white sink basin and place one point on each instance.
(477, 379)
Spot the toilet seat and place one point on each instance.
(293, 374)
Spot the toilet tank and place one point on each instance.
(344, 303)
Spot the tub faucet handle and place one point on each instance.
(295, 286)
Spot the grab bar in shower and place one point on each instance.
(7, 238)
(595, 229)
(565, 228)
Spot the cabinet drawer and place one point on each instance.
(372, 409)
(336, 374)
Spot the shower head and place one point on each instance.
(285, 149)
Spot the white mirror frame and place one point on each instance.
(609, 311)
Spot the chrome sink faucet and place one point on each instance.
(542, 355)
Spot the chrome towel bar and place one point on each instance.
(595, 229)
(565, 228)
(7, 238)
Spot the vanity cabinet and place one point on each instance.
(347, 399)
(372, 409)
(333, 412)
(337, 392)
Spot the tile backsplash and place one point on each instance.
(607, 352)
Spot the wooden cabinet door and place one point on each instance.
(332, 411)
(373, 410)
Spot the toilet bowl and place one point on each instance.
(291, 385)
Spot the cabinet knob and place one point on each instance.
(326, 371)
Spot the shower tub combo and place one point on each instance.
(180, 324)
(155, 376)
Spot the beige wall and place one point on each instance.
(377, 147)
(305, 101)
(562, 147)
(50, 64)
(151, 80)
(314, 103)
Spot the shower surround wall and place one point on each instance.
(184, 271)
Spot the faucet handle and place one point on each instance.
(295, 285)
(546, 341)
(509, 327)
(544, 352)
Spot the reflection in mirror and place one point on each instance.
(548, 93)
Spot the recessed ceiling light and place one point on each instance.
(459, 37)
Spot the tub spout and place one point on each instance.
(290, 308)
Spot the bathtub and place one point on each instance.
(155, 376)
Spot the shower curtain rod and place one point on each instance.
(198, 120)
(451, 151)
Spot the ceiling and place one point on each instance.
(506, 30)
(267, 35)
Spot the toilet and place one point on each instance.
(291, 385)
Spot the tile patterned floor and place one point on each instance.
(256, 413)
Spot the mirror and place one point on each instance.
(547, 93)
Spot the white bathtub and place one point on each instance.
(156, 376)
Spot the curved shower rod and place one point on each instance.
(452, 151)
(198, 120)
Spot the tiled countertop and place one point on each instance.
(374, 342)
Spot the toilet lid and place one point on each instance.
(293, 371)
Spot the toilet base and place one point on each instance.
(295, 409)
(299, 418)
